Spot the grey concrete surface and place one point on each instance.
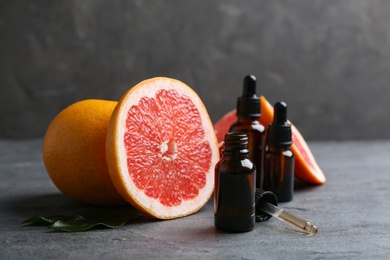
(328, 59)
(352, 212)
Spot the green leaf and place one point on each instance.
(91, 219)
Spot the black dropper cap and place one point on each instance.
(267, 196)
(248, 105)
(279, 132)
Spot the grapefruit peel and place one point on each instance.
(74, 153)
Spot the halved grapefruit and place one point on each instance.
(306, 167)
(161, 149)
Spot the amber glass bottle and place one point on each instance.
(234, 193)
(279, 160)
(248, 113)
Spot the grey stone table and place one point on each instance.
(352, 212)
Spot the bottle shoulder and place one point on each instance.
(281, 151)
(247, 125)
(288, 153)
(235, 165)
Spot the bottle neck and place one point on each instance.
(235, 151)
(272, 148)
(236, 144)
(248, 118)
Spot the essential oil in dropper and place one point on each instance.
(248, 113)
(279, 160)
(234, 193)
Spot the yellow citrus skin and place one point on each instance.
(74, 152)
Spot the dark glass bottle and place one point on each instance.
(248, 113)
(234, 193)
(279, 160)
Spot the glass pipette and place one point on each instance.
(287, 217)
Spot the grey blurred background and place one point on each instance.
(328, 59)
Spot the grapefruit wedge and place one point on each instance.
(161, 149)
(306, 167)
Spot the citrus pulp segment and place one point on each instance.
(222, 126)
(161, 149)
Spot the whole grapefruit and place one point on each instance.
(74, 152)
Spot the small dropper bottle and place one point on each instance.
(279, 160)
(248, 113)
(234, 192)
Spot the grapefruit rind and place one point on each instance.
(316, 175)
(117, 158)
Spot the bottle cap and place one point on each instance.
(269, 197)
(279, 132)
(248, 105)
